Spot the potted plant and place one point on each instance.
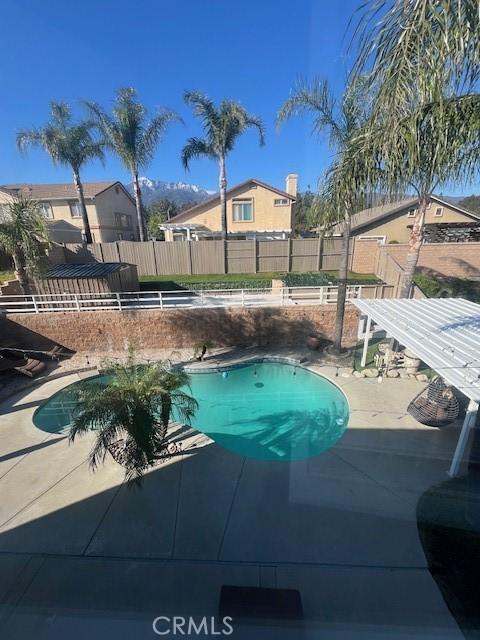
(130, 411)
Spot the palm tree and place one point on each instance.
(346, 179)
(222, 126)
(436, 144)
(24, 236)
(69, 144)
(422, 61)
(407, 48)
(130, 411)
(129, 134)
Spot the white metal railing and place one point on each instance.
(134, 300)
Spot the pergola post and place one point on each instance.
(468, 423)
(366, 340)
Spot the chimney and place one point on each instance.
(291, 184)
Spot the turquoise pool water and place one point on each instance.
(265, 410)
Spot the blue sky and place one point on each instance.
(250, 50)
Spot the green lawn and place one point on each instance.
(6, 275)
(372, 350)
(211, 277)
(169, 282)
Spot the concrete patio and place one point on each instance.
(81, 555)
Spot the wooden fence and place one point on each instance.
(211, 256)
(388, 270)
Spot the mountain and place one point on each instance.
(179, 192)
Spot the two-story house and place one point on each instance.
(254, 210)
(110, 209)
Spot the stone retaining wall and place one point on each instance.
(104, 331)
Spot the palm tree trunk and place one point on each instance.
(86, 233)
(138, 203)
(415, 244)
(21, 272)
(342, 286)
(223, 197)
(165, 412)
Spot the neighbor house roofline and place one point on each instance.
(185, 215)
(61, 191)
(374, 215)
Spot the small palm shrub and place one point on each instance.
(130, 411)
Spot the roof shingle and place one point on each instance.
(56, 191)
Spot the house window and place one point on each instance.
(242, 210)
(123, 220)
(75, 210)
(46, 209)
(412, 213)
(280, 202)
(438, 212)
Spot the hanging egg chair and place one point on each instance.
(436, 405)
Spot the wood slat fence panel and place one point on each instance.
(172, 258)
(241, 256)
(214, 256)
(208, 256)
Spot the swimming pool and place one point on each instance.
(264, 410)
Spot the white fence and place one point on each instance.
(127, 301)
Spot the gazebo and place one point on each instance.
(445, 334)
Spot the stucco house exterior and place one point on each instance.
(254, 210)
(110, 209)
(392, 223)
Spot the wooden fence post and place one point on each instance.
(189, 256)
(255, 253)
(152, 243)
(320, 251)
(289, 256)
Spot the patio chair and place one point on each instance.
(31, 367)
(436, 405)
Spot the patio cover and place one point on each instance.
(445, 334)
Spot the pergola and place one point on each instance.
(445, 334)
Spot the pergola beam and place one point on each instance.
(366, 340)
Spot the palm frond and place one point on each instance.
(24, 230)
(411, 48)
(153, 132)
(127, 131)
(134, 404)
(222, 126)
(68, 143)
(313, 98)
(195, 148)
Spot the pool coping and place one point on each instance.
(202, 367)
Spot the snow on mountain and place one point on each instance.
(179, 192)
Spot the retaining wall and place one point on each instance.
(104, 331)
